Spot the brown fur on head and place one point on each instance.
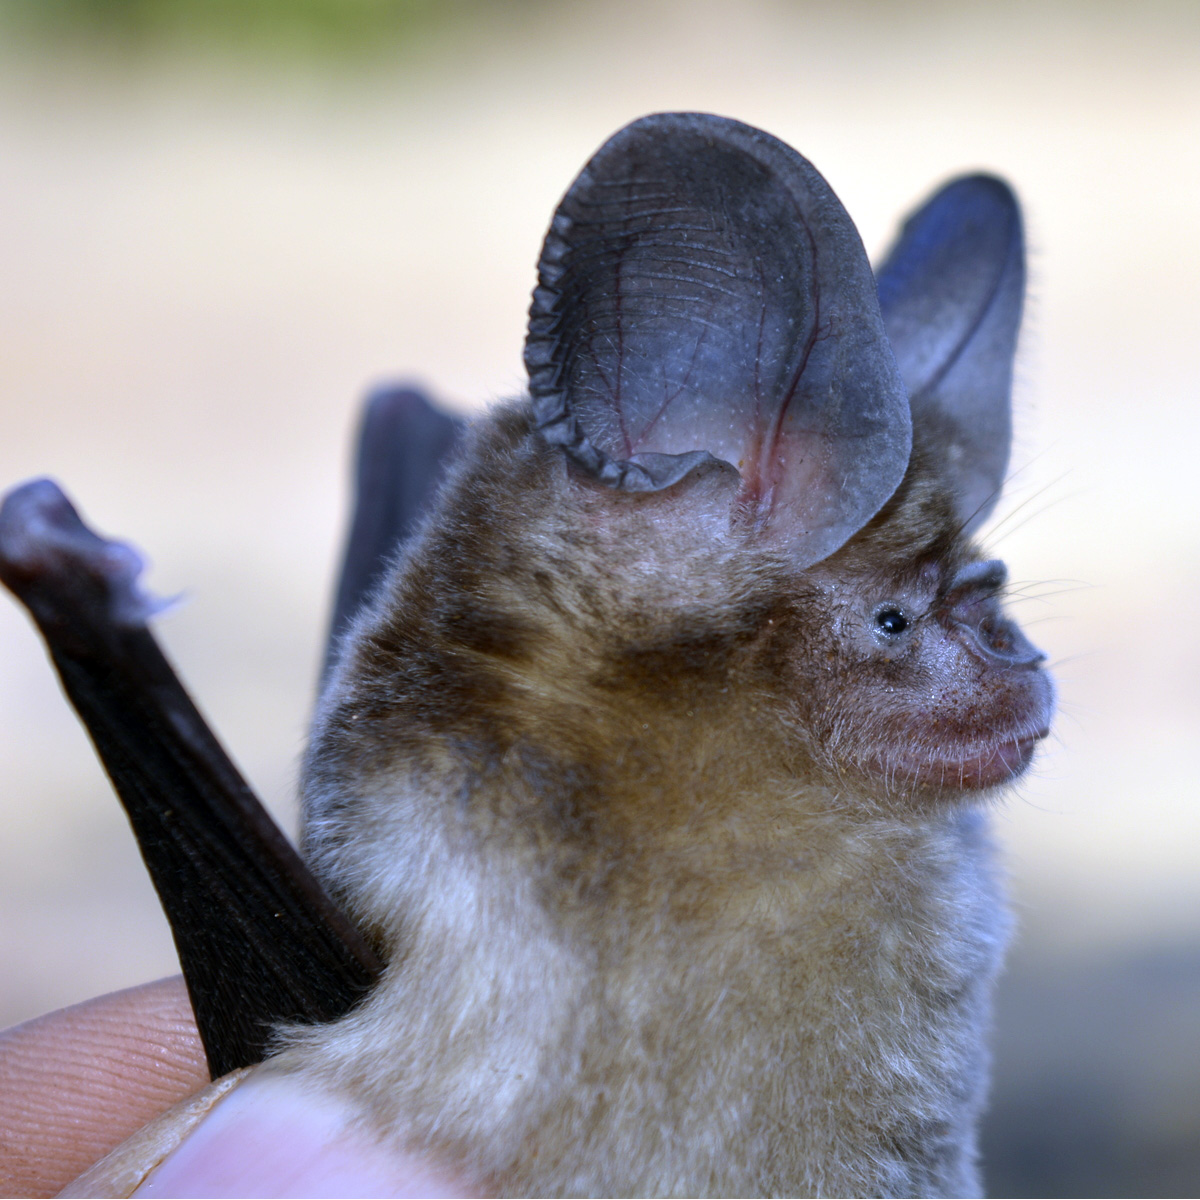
(667, 666)
(654, 769)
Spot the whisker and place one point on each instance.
(1068, 587)
(1004, 529)
(1070, 659)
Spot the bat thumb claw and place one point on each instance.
(43, 541)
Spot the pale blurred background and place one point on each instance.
(221, 222)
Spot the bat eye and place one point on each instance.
(890, 621)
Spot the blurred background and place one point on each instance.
(222, 220)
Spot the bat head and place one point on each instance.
(718, 568)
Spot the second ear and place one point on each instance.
(951, 291)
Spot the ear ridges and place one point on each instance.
(703, 297)
(555, 420)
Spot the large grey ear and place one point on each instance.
(951, 290)
(704, 296)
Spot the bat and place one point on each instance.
(644, 843)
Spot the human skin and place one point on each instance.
(76, 1083)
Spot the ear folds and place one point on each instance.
(704, 296)
(951, 291)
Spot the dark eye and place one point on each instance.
(891, 621)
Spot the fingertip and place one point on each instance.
(272, 1136)
(76, 1083)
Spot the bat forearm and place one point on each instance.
(234, 890)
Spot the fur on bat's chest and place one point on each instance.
(638, 942)
(812, 1027)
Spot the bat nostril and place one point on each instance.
(999, 642)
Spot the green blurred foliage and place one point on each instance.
(320, 28)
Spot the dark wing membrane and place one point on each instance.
(404, 444)
(259, 941)
(951, 291)
(703, 294)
